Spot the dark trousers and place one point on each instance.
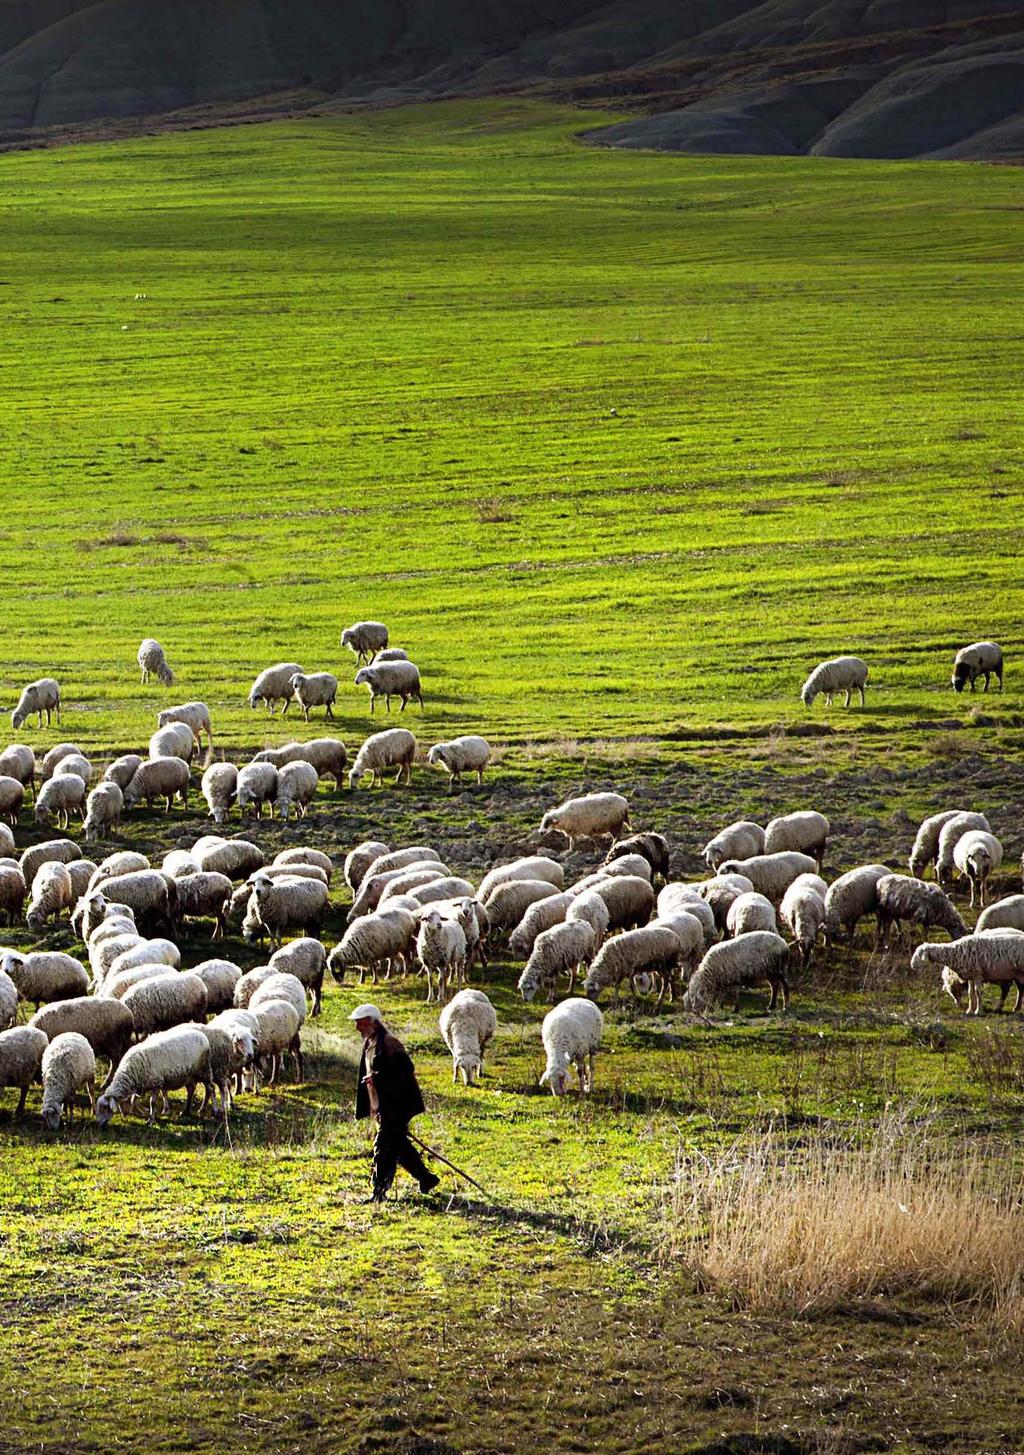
(391, 1150)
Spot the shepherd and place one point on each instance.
(389, 1092)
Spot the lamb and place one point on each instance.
(365, 638)
(219, 786)
(306, 959)
(441, 949)
(21, 1057)
(150, 895)
(12, 797)
(167, 1061)
(296, 787)
(13, 890)
(274, 684)
(278, 1028)
(926, 844)
(52, 892)
(850, 897)
(589, 908)
(256, 786)
(122, 770)
(976, 855)
(592, 816)
(124, 861)
(105, 1023)
(628, 899)
(68, 1065)
(359, 860)
(151, 659)
(838, 674)
(467, 754)
(535, 866)
(771, 874)
(900, 898)
(318, 689)
(173, 741)
(507, 903)
(571, 1035)
(282, 904)
(740, 840)
(103, 811)
(993, 958)
(391, 679)
(19, 761)
(8, 1001)
(45, 975)
(953, 829)
(164, 1001)
(650, 846)
(205, 895)
(564, 949)
(38, 697)
(328, 756)
(159, 778)
(542, 915)
(392, 654)
(468, 1023)
(726, 969)
(980, 659)
(650, 950)
(1005, 914)
(750, 912)
(55, 756)
(194, 715)
(806, 832)
(237, 858)
(60, 797)
(393, 748)
(53, 851)
(802, 911)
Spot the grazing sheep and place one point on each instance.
(76, 763)
(750, 912)
(303, 855)
(470, 915)
(405, 880)
(296, 788)
(55, 756)
(281, 986)
(274, 684)
(681, 898)
(45, 975)
(689, 931)
(8, 1001)
(359, 860)
(159, 778)
(993, 958)
(52, 892)
(328, 756)
(58, 798)
(571, 1036)
(220, 978)
(952, 830)
(376, 881)
(81, 871)
(229, 1050)
(634, 864)
(595, 815)
(1005, 914)
(146, 952)
(124, 861)
(534, 866)
(564, 949)
(650, 846)
(438, 890)
(441, 950)
(850, 898)
(250, 983)
(772, 874)
(21, 1057)
(297, 871)
(13, 890)
(173, 741)
(68, 1065)
(375, 943)
(218, 786)
(461, 755)
(802, 911)
(116, 986)
(242, 1027)
(122, 770)
(103, 811)
(150, 895)
(166, 1000)
(193, 715)
(6, 841)
(282, 904)
(507, 903)
(12, 797)
(151, 658)
(237, 858)
(542, 915)
(629, 900)
(167, 1061)
(468, 1023)
(105, 1023)
(318, 689)
(306, 959)
(38, 697)
(651, 950)
(975, 855)
(740, 840)
(365, 638)
(256, 786)
(205, 895)
(391, 679)
(838, 674)
(393, 748)
(278, 1028)
(392, 654)
(900, 899)
(53, 851)
(19, 761)
(103, 954)
(980, 659)
(805, 831)
(735, 965)
(926, 844)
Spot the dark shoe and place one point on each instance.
(429, 1182)
(375, 1197)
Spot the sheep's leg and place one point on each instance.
(1004, 991)
(297, 1057)
(774, 987)
(90, 1091)
(1020, 994)
(21, 1101)
(479, 777)
(861, 691)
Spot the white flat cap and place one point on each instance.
(367, 1012)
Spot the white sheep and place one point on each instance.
(103, 811)
(650, 846)
(166, 778)
(975, 855)
(60, 797)
(1005, 914)
(534, 866)
(296, 788)
(8, 1001)
(81, 871)
(438, 890)
(218, 786)
(13, 890)
(468, 1023)
(926, 844)
(374, 884)
(38, 697)
(167, 1061)
(243, 1030)
(116, 986)
(306, 959)
(317, 689)
(103, 954)
(278, 1029)
(405, 880)
(542, 915)
(45, 975)
(21, 1057)
(6, 841)
(802, 911)
(740, 840)
(850, 898)
(392, 654)
(55, 756)
(564, 949)
(635, 864)
(146, 952)
(162, 1001)
(653, 950)
(282, 904)
(281, 986)
(52, 893)
(105, 1023)
(901, 899)
(122, 770)
(507, 903)
(68, 1066)
(19, 761)
(205, 895)
(256, 786)
(149, 894)
(726, 969)
(393, 748)
(151, 659)
(474, 920)
(365, 638)
(12, 797)
(995, 957)
(805, 831)
(274, 684)
(122, 861)
(303, 854)
(250, 983)
(468, 754)
(53, 851)
(595, 815)
(219, 978)
(838, 674)
(193, 715)
(391, 679)
(980, 659)
(358, 861)
(772, 874)
(173, 741)
(750, 912)
(329, 756)
(76, 763)
(629, 900)
(683, 897)
(571, 1036)
(236, 858)
(441, 950)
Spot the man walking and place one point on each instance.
(389, 1091)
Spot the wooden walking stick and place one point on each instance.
(433, 1152)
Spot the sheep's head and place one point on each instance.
(165, 675)
(106, 1106)
(363, 676)
(337, 962)
(346, 639)
(51, 1118)
(808, 693)
(953, 985)
(528, 983)
(470, 1065)
(11, 965)
(960, 677)
(17, 718)
(355, 774)
(922, 959)
(556, 1073)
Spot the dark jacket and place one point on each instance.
(394, 1078)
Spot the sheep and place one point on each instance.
(53, 851)
(103, 954)
(467, 754)
(993, 958)
(392, 654)
(21, 1057)
(926, 844)
(650, 846)
(359, 860)
(1005, 914)
(900, 898)
(8, 1001)
(318, 689)
(629, 900)
(237, 858)
(838, 674)
(103, 810)
(146, 952)
(391, 679)
(6, 841)
(256, 786)
(249, 984)
(805, 831)
(173, 741)
(52, 892)
(220, 978)
(408, 879)
(304, 855)
(281, 986)
(980, 659)
(205, 895)
(328, 756)
(19, 761)
(159, 778)
(45, 975)
(395, 747)
(243, 1029)
(68, 1065)
(507, 903)
(735, 965)
(571, 1035)
(534, 866)
(117, 985)
(229, 1051)
(740, 840)
(58, 798)
(150, 895)
(634, 864)
(167, 1061)
(650, 950)
(296, 787)
(124, 861)
(151, 659)
(219, 786)
(771, 874)
(306, 959)
(76, 763)
(166, 1000)
(440, 889)
(93, 917)
(297, 871)
(366, 639)
(193, 715)
(105, 1023)
(750, 912)
(595, 815)
(13, 890)
(467, 1024)
(122, 770)
(470, 915)
(850, 897)
(975, 855)
(441, 950)
(564, 949)
(274, 684)
(278, 1028)
(38, 697)
(81, 871)
(802, 911)
(374, 884)
(55, 756)
(542, 915)
(12, 797)
(284, 904)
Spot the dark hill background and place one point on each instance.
(870, 78)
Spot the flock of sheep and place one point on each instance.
(850, 674)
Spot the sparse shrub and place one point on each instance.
(949, 746)
(493, 511)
